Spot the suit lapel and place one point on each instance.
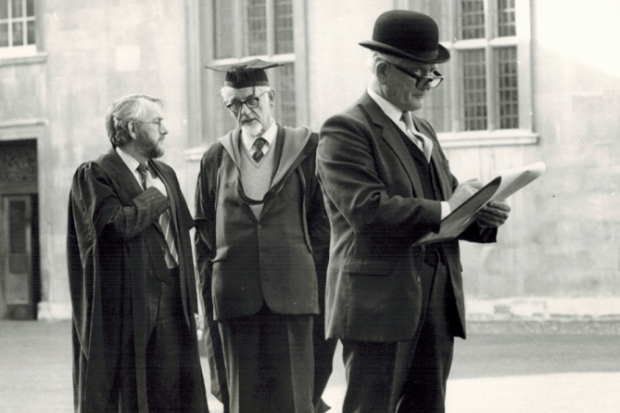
(393, 139)
(124, 180)
(295, 149)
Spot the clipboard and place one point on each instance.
(498, 189)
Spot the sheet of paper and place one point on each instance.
(514, 179)
(498, 189)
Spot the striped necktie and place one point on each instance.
(257, 149)
(142, 169)
(171, 255)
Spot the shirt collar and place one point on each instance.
(395, 114)
(388, 108)
(269, 136)
(129, 160)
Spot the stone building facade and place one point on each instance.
(529, 81)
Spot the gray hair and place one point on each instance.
(374, 58)
(126, 109)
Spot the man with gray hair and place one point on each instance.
(395, 305)
(131, 274)
(262, 242)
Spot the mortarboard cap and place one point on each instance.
(246, 74)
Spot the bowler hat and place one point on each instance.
(408, 34)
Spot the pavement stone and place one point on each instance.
(550, 393)
(35, 376)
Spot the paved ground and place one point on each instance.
(498, 373)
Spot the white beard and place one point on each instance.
(252, 129)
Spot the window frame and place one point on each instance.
(456, 137)
(26, 50)
(298, 59)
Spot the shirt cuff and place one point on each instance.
(445, 209)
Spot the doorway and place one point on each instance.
(20, 286)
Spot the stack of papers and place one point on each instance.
(500, 188)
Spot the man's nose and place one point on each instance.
(245, 109)
(424, 84)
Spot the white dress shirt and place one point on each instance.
(133, 164)
(269, 136)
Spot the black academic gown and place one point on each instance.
(284, 214)
(113, 269)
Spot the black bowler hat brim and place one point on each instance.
(443, 55)
(408, 34)
(246, 74)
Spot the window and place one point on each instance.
(486, 98)
(17, 27)
(250, 29)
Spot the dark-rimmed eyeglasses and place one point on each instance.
(251, 102)
(422, 81)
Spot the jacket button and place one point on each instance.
(418, 278)
(260, 226)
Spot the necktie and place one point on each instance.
(170, 255)
(257, 149)
(421, 141)
(142, 169)
(172, 258)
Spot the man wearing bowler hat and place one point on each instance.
(395, 305)
(262, 242)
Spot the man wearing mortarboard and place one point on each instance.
(262, 242)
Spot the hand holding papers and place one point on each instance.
(493, 214)
(463, 192)
(500, 188)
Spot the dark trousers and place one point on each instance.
(167, 355)
(324, 351)
(408, 376)
(269, 362)
(167, 360)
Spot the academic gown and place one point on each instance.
(301, 294)
(111, 255)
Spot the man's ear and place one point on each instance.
(381, 71)
(131, 128)
(272, 97)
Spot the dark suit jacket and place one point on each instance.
(115, 267)
(375, 203)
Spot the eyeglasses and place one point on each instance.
(421, 81)
(160, 122)
(251, 103)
